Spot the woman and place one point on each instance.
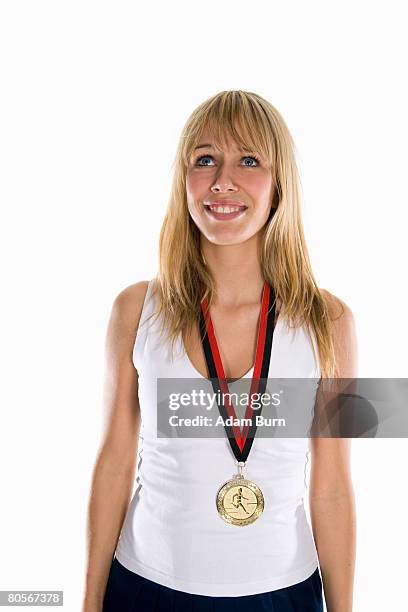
(232, 251)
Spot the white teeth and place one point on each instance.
(225, 209)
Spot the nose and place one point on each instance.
(223, 182)
(221, 187)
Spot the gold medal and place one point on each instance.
(239, 501)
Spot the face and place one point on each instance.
(229, 192)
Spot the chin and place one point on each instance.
(226, 239)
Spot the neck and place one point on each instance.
(236, 271)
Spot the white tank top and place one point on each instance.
(172, 533)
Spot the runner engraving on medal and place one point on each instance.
(240, 501)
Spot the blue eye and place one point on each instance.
(253, 157)
(202, 157)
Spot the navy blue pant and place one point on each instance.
(127, 591)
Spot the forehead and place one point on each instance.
(225, 141)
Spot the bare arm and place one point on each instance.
(114, 470)
(331, 495)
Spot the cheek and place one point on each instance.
(194, 193)
(262, 183)
(196, 184)
(261, 186)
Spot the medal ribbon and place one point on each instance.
(240, 443)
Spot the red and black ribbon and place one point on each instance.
(241, 443)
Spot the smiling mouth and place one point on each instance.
(225, 207)
(224, 212)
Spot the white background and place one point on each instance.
(93, 99)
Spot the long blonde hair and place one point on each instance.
(183, 277)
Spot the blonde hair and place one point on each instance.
(184, 279)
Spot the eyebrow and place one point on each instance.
(202, 146)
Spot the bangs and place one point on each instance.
(232, 116)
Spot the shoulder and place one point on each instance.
(128, 303)
(338, 310)
(125, 315)
(344, 334)
(131, 298)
